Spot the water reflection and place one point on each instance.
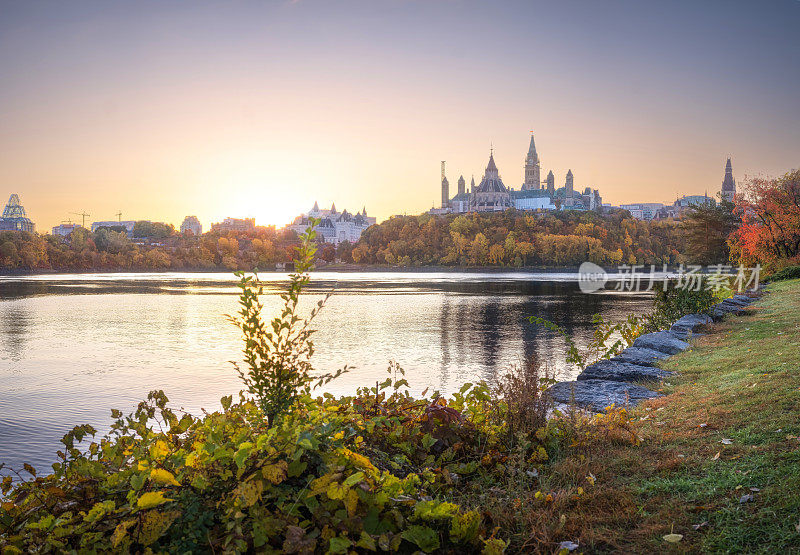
(16, 319)
(73, 347)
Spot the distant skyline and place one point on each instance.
(258, 109)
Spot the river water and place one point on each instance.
(72, 347)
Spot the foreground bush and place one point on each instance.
(279, 471)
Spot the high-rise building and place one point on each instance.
(569, 183)
(532, 179)
(14, 217)
(729, 183)
(462, 185)
(551, 183)
(445, 192)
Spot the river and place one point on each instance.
(72, 347)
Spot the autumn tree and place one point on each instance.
(770, 229)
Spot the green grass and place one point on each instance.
(742, 383)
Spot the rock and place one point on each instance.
(689, 324)
(618, 371)
(737, 300)
(663, 341)
(743, 298)
(722, 309)
(598, 394)
(641, 356)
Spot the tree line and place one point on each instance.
(762, 227)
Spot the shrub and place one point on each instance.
(792, 272)
(278, 356)
(672, 302)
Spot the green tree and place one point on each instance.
(707, 229)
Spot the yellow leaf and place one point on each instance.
(159, 450)
(275, 473)
(351, 502)
(191, 460)
(121, 532)
(151, 499)
(249, 492)
(321, 484)
(673, 538)
(161, 476)
(154, 524)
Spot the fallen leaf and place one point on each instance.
(715, 457)
(703, 425)
(673, 538)
(755, 490)
(701, 525)
(568, 545)
(746, 498)
(726, 441)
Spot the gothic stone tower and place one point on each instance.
(729, 183)
(568, 186)
(445, 193)
(532, 179)
(462, 185)
(551, 183)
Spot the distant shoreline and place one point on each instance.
(343, 268)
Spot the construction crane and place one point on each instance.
(119, 216)
(83, 215)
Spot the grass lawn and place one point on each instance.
(719, 458)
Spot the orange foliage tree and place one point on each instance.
(770, 230)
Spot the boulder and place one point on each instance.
(598, 394)
(743, 299)
(618, 371)
(737, 301)
(641, 356)
(722, 309)
(663, 341)
(689, 324)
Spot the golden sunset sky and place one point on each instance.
(164, 109)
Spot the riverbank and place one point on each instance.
(719, 457)
(481, 470)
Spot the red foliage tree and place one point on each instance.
(770, 230)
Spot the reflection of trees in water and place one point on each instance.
(446, 327)
(487, 323)
(14, 330)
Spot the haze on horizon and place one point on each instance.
(163, 109)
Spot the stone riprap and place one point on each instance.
(617, 371)
(641, 356)
(664, 341)
(598, 394)
(608, 381)
(688, 325)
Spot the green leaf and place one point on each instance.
(339, 544)
(423, 537)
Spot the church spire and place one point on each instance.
(728, 183)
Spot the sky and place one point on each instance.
(260, 108)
